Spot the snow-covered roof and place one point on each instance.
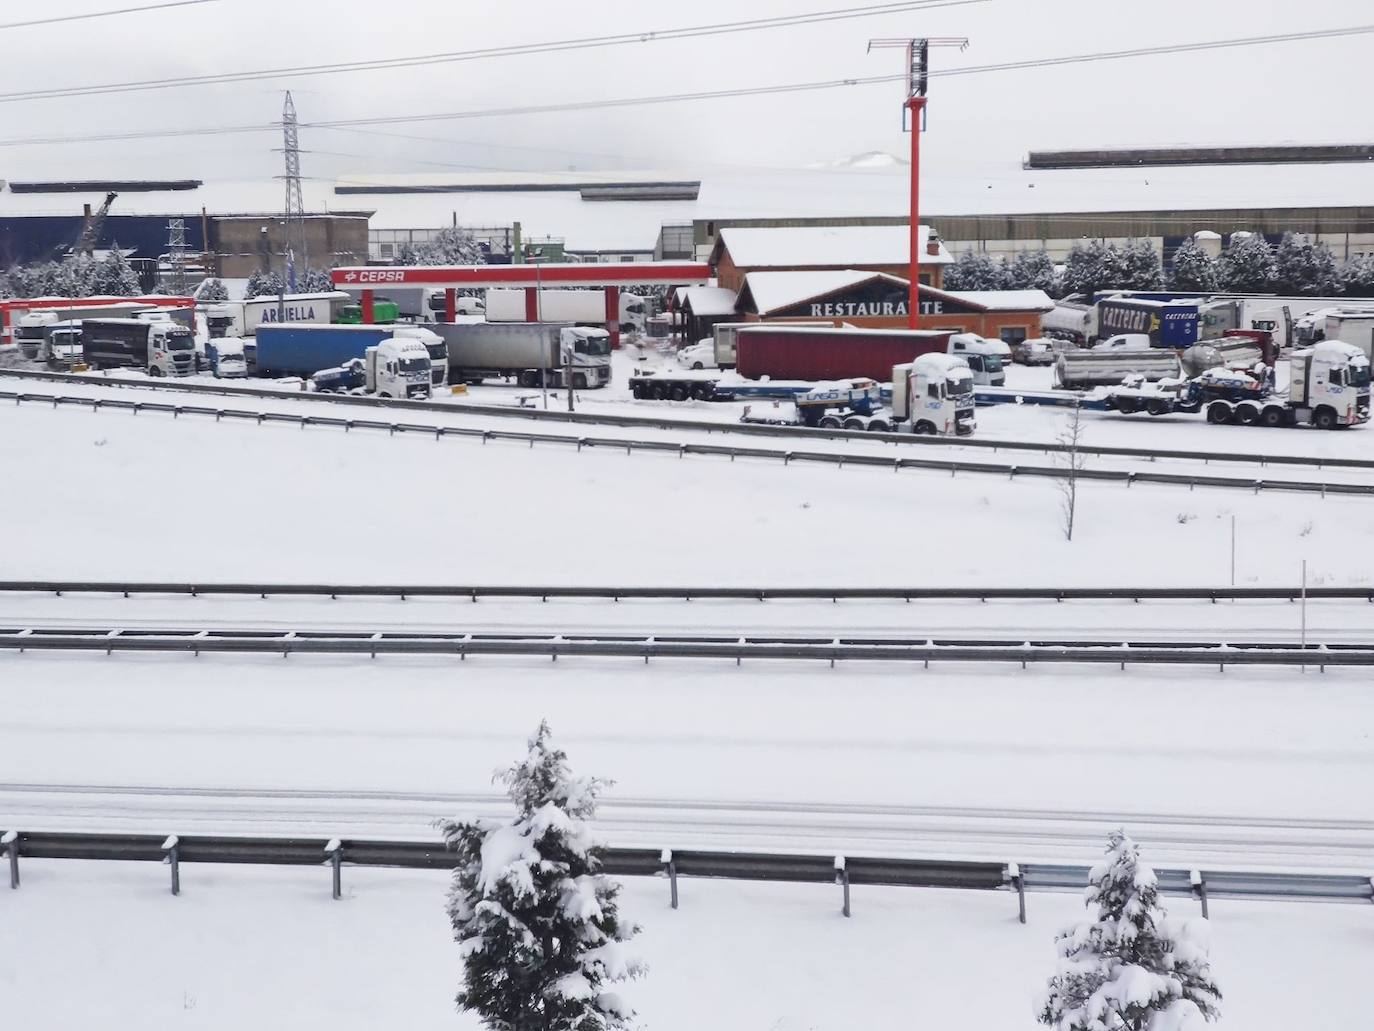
(825, 246)
(998, 300)
(707, 300)
(773, 291)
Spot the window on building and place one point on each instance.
(387, 250)
(1013, 335)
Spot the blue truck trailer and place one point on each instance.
(303, 350)
(1178, 322)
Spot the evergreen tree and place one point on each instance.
(264, 284)
(1141, 268)
(452, 245)
(536, 920)
(1302, 267)
(1128, 967)
(1033, 270)
(975, 271)
(1089, 267)
(1357, 276)
(212, 289)
(114, 277)
(1194, 269)
(316, 281)
(1247, 266)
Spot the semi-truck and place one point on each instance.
(724, 337)
(1352, 326)
(986, 359)
(242, 318)
(61, 348)
(398, 367)
(303, 349)
(809, 352)
(584, 307)
(1110, 361)
(160, 348)
(533, 353)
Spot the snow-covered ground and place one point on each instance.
(149, 497)
(251, 947)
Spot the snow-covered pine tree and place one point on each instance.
(975, 271)
(1357, 276)
(212, 289)
(1141, 266)
(1302, 267)
(1193, 269)
(1090, 266)
(264, 284)
(1128, 967)
(114, 277)
(1247, 265)
(452, 245)
(536, 920)
(1033, 270)
(316, 281)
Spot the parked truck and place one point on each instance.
(533, 353)
(1176, 323)
(160, 348)
(584, 307)
(61, 348)
(808, 352)
(1352, 326)
(724, 337)
(242, 318)
(986, 359)
(385, 312)
(303, 350)
(398, 367)
(1111, 361)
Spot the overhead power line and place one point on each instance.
(514, 50)
(89, 15)
(672, 98)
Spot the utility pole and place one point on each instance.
(917, 53)
(176, 256)
(295, 199)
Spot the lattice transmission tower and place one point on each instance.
(297, 252)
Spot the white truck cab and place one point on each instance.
(587, 352)
(30, 330)
(934, 394)
(399, 367)
(1328, 386)
(434, 344)
(226, 357)
(987, 359)
(62, 345)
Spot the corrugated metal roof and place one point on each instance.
(826, 246)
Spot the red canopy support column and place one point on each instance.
(450, 305)
(613, 315)
(531, 304)
(369, 308)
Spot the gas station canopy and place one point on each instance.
(569, 274)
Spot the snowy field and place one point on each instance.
(250, 947)
(310, 505)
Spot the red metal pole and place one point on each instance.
(531, 304)
(369, 309)
(916, 107)
(613, 315)
(450, 305)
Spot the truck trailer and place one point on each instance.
(303, 349)
(161, 348)
(809, 352)
(1176, 323)
(242, 318)
(530, 352)
(585, 307)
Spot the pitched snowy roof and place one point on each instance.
(824, 246)
(773, 291)
(997, 300)
(707, 300)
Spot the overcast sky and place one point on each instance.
(1310, 91)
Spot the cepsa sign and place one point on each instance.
(374, 275)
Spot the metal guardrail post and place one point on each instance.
(10, 840)
(670, 868)
(1199, 886)
(172, 848)
(334, 851)
(842, 878)
(1018, 882)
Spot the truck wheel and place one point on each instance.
(924, 427)
(698, 366)
(678, 393)
(579, 381)
(701, 392)
(879, 426)
(855, 424)
(1247, 414)
(154, 372)
(527, 380)
(1324, 419)
(1158, 406)
(1127, 405)
(1218, 413)
(660, 392)
(1272, 416)
(830, 422)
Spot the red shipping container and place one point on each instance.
(828, 352)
